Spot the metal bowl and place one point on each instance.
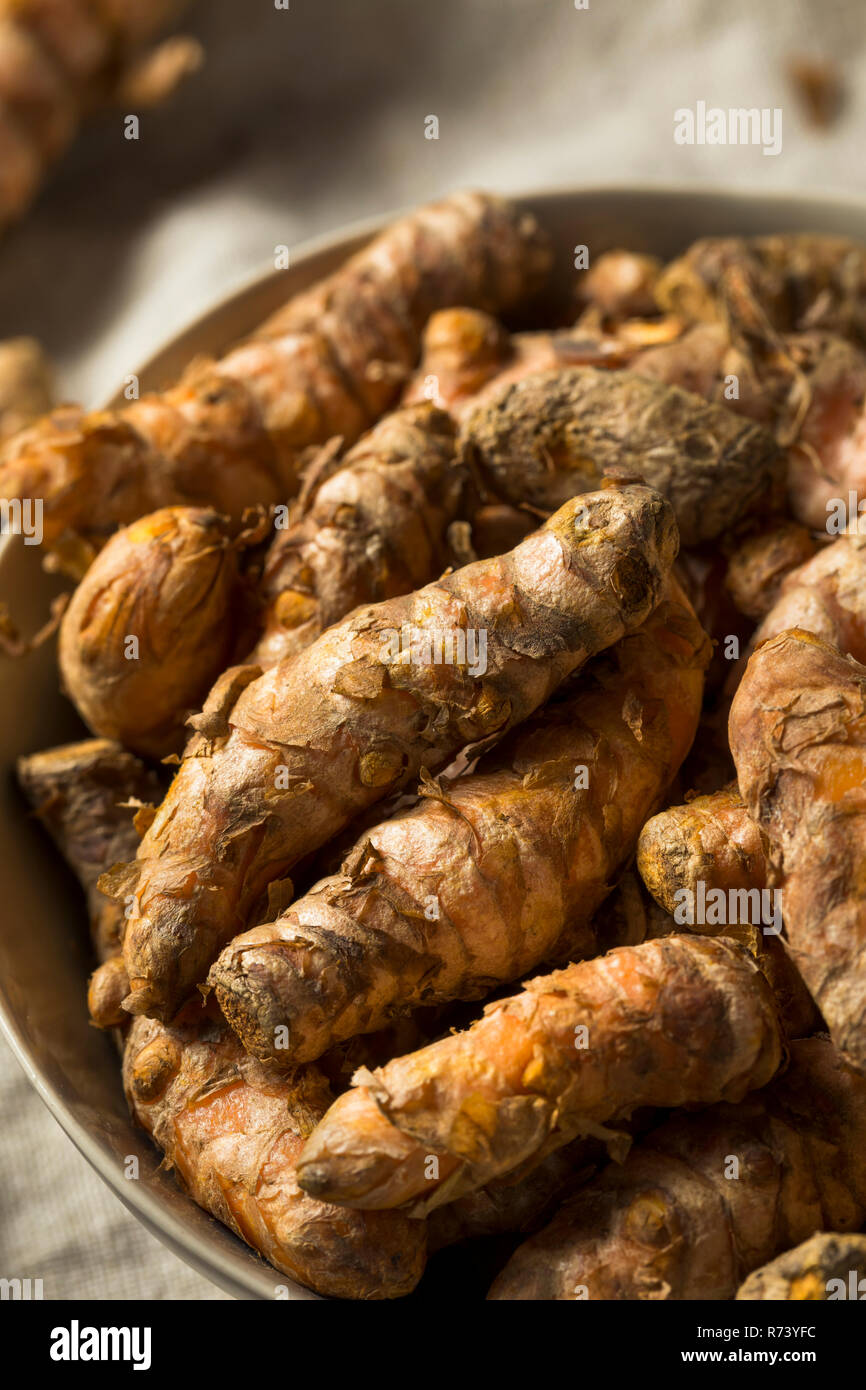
(44, 954)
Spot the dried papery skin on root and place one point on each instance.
(682, 1020)
(59, 59)
(764, 284)
(232, 1132)
(233, 433)
(492, 873)
(374, 529)
(674, 1223)
(825, 1267)
(26, 386)
(151, 626)
(798, 736)
(81, 793)
(552, 435)
(280, 768)
(760, 565)
(711, 840)
(826, 596)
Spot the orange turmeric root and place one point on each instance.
(798, 737)
(708, 1198)
(489, 875)
(373, 530)
(232, 1131)
(682, 1020)
(826, 596)
(151, 626)
(711, 840)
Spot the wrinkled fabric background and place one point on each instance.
(303, 120)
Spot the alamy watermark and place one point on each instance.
(715, 907)
(421, 646)
(22, 518)
(738, 125)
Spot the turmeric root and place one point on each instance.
(798, 737)
(233, 433)
(373, 530)
(281, 767)
(762, 285)
(489, 875)
(631, 916)
(682, 1020)
(826, 596)
(232, 1131)
(26, 387)
(709, 1197)
(151, 626)
(758, 568)
(552, 435)
(86, 795)
(461, 350)
(711, 840)
(57, 61)
(825, 1268)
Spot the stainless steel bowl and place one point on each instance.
(44, 956)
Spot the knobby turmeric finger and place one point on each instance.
(707, 1198)
(284, 760)
(553, 434)
(151, 626)
(489, 875)
(711, 840)
(681, 1020)
(798, 738)
(374, 529)
(232, 1131)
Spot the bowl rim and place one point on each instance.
(140, 1199)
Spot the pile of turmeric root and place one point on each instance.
(500, 646)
